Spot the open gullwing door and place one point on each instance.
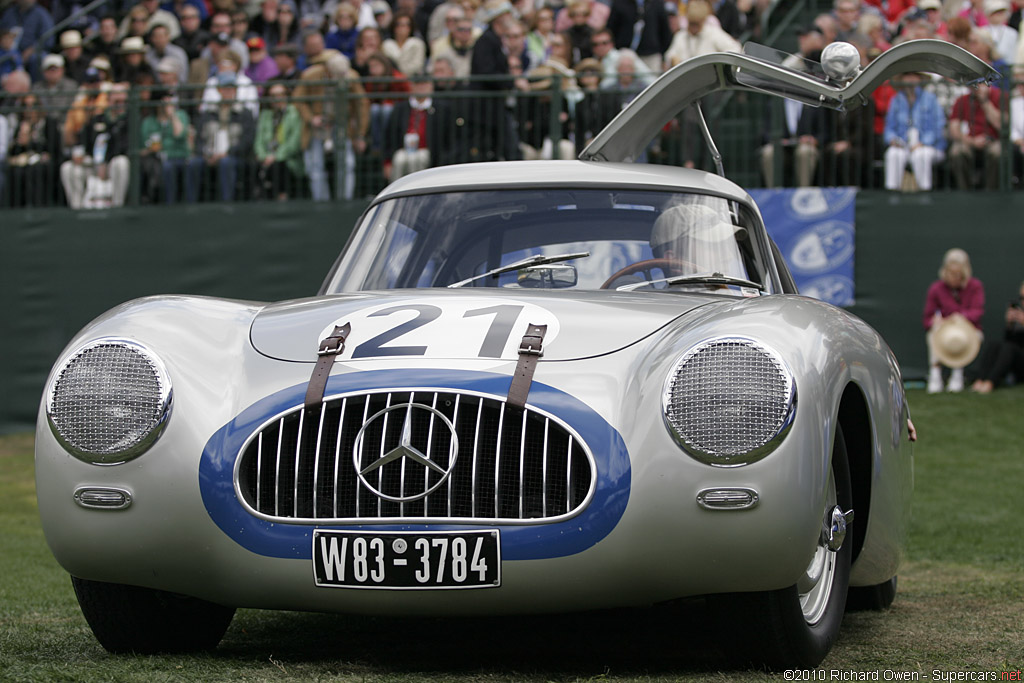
(626, 137)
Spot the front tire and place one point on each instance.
(144, 621)
(795, 627)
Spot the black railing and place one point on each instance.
(475, 122)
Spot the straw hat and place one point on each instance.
(955, 341)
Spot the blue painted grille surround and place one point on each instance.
(537, 541)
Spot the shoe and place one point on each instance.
(956, 382)
(935, 381)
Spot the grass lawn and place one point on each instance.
(959, 609)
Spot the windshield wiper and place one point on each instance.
(698, 278)
(537, 260)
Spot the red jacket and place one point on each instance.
(968, 302)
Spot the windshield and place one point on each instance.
(556, 238)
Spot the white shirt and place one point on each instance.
(710, 39)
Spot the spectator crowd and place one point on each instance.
(225, 99)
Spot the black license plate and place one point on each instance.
(407, 560)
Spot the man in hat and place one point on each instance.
(382, 15)
(55, 91)
(167, 73)
(75, 59)
(161, 48)
(244, 90)
(132, 60)
(226, 135)
(262, 67)
(933, 13)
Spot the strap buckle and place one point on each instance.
(335, 343)
(527, 347)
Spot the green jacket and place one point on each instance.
(174, 147)
(285, 143)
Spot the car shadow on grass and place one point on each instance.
(668, 638)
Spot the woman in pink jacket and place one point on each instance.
(955, 293)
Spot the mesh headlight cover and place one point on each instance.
(729, 401)
(109, 401)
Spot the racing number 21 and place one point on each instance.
(505, 317)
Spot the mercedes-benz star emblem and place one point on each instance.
(405, 449)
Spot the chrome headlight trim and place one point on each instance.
(142, 422)
(771, 433)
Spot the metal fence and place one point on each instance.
(49, 160)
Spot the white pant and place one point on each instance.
(405, 162)
(921, 160)
(75, 176)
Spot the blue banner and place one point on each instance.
(813, 227)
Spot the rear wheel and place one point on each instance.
(142, 620)
(795, 627)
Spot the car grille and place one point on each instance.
(510, 465)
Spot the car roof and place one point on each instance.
(562, 174)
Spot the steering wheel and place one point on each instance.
(649, 266)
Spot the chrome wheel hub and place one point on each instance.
(815, 586)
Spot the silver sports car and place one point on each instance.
(524, 387)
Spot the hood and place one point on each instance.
(447, 324)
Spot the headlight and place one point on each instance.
(729, 401)
(109, 401)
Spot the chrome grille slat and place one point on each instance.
(544, 471)
(568, 471)
(366, 413)
(259, 467)
(337, 453)
(277, 472)
(316, 455)
(448, 486)
(539, 469)
(497, 461)
(476, 444)
(298, 459)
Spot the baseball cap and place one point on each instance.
(50, 61)
(256, 43)
(70, 39)
(167, 65)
